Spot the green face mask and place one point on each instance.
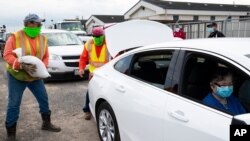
(99, 40)
(32, 31)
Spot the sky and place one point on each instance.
(12, 12)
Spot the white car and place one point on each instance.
(85, 38)
(155, 93)
(65, 49)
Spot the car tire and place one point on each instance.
(106, 123)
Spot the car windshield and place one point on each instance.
(72, 26)
(62, 39)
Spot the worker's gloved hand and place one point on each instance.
(29, 68)
(81, 73)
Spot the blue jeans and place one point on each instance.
(15, 93)
(86, 106)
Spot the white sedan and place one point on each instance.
(155, 93)
(65, 49)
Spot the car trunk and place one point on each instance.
(136, 33)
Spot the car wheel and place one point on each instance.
(106, 123)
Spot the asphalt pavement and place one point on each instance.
(65, 99)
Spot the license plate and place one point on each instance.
(76, 72)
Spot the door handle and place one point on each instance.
(120, 88)
(179, 115)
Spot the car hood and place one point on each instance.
(66, 50)
(78, 31)
(136, 33)
(85, 38)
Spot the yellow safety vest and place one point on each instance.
(94, 61)
(23, 42)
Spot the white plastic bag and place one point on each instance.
(41, 70)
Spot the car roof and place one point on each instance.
(219, 45)
(236, 49)
(54, 31)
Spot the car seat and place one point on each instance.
(198, 79)
(149, 72)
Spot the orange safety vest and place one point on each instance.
(94, 61)
(23, 42)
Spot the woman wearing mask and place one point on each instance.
(221, 96)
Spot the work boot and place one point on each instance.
(11, 132)
(47, 125)
(87, 116)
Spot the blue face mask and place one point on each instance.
(210, 29)
(224, 91)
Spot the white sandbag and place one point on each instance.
(41, 70)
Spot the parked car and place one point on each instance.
(155, 93)
(85, 38)
(65, 49)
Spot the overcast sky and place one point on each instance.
(12, 12)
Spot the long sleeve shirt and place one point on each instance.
(233, 104)
(84, 58)
(11, 57)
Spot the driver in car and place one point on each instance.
(221, 96)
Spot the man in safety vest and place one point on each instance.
(32, 43)
(96, 54)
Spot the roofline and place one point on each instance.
(205, 3)
(142, 3)
(94, 17)
(150, 2)
(132, 7)
(108, 15)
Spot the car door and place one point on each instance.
(186, 118)
(138, 99)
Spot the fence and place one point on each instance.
(231, 28)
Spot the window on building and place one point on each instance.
(196, 18)
(212, 18)
(176, 17)
(242, 18)
(229, 17)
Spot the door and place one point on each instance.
(139, 97)
(186, 117)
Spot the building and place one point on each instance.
(169, 11)
(102, 20)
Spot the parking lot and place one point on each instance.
(66, 100)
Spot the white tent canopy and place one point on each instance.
(136, 33)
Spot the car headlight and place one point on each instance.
(54, 57)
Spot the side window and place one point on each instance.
(151, 66)
(202, 75)
(123, 64)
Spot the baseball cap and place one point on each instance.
(34, 18)
(97, 31)
(212, 24)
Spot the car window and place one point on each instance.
(197, 81)
(151, 66)
(123, 64)
(62, 39)
(72, 26)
